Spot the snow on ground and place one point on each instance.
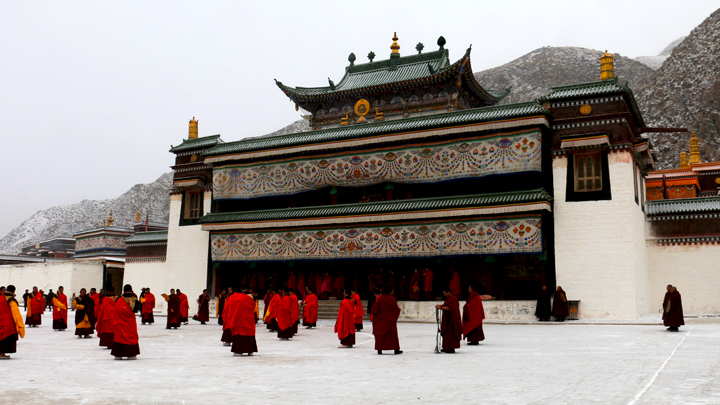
(516, 364)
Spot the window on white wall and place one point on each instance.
(588, 172)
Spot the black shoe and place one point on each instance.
(473, 343)
(448, 351)
(379, 351)
(202, 323)
(398, 351)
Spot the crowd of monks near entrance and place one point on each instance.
(113, 317)
(420, 284)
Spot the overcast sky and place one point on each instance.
(92, 94)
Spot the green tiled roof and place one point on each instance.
(196, 143)
(407, 124)
(683, 206)
(153, 236)
(594, 89)
(363, 78)
(420, 204)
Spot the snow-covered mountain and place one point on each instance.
(64, 220)
(654, 62)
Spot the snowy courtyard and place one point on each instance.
(516, 364)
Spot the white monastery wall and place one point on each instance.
(600, 247)
(187, 255)
(151, 275)
(693, 269)
(70, 274)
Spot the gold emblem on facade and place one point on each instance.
(362, 107)
(193, 158)
(717, 180)
(585, 109)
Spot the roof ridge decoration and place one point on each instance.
(196, 143)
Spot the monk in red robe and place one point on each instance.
(266, 302)
(203, 314)
(359, 311)
(229, 314)
(295, 311)
(243, 325)
(301, 287)
(666, 299)
(33, 317)
(11, 322)
(125, 338)
(84, 315)
(173, 315)
(385, 314)
(345, 324)
(272, 311)
(60, 304)
(560, 305)
(105, 326)
(415, 287)
(97, 300)
(147, 299)
(310, 309)
(674, 311)
(184, 306)
(542, 307)
(473, 315)
(284, 316)
(221, 306)
(455, 284)
(451, 327)
(428, 284)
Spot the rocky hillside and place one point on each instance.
(532, 75)
(65, 220)
(685, 92)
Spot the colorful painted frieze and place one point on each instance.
(100, 242)
(477, 157)
(477, 237)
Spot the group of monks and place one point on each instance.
(111, 317)
(560, 309)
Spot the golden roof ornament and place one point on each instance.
(607, 69)
(395, 47)
(683, 160)
(694, 150)
(137, 216)
(110, 221)
(193, 131)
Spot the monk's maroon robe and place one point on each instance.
(385, 313)
(473, 315)
(345, 324)
(451, 327)
(203, 314)
(284, 318)
(173, 316)
(674, 310)
(125, 338)
(243, 325)
(560, 305)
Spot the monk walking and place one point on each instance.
(473, 315)
(184, 306)
(272, 310)
(542, 308)
(451, 327)
(203, 314)
(105, 326)
(84, 315)
(60, 304)
(666, 299)
(284, 316)
(173, 314)
(242, 320)
(295, 311)
(221, 306)
(359, 311)
(310, 309)
(11, 322)
(674, 310)
(229, 314)
(147, 299)
(345, 324)
(385, 314)
(125, 338)
(560, 305)
(33, 316)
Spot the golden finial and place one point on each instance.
(395, 47)
(110, 221)
(193, 132)
(137, 216)
(683, 160)
(607, 70)
(694, 150)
